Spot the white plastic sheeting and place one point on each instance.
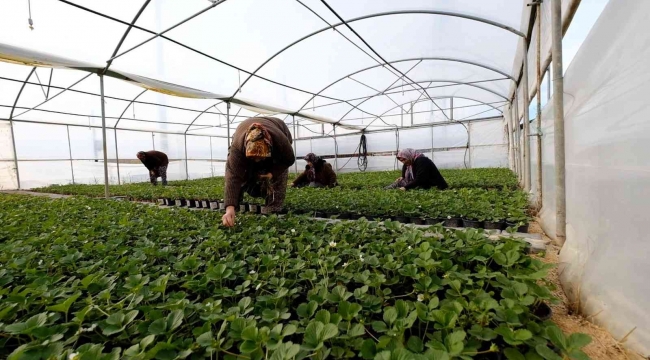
(604, 261)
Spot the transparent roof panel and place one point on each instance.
(281, 55)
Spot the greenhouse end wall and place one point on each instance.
(604, 263)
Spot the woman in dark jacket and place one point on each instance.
(258, 163)
(156, 162)
(418, 172)
(318, 173)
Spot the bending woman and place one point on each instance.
(318, 173)
(418, 172)
(258, 163)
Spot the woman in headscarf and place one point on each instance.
(156, 162)
(258, 163)
(318, 173)
(418, 172)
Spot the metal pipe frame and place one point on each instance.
(295, 138)
(126, 33)
(538, 134)
(101, 86)
(11, 126)
(67, 128)
(117, 157)
(402, 12)
(47, 100)
(558, 110)
(527, 162)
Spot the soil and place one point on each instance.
(603, 345)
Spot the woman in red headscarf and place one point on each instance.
(418, 172)
(258, 163)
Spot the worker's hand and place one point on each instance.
(228, 219)
(266, 176)
(292, 185)
(403, 188)
(399, 178)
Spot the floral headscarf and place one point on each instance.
(258, 141)
(312, 158)
(409, 155)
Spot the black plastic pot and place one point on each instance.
(282, 212)
(253, 208)
(331, 215)
(198, 203)
(222, 205)
(161, 201)
(344, 216)
(243, 207)
(213, 205)
(472, 224)
(433, 221)
(264, 210)
(402, 219)
(542, 311)
(370, 217)
(417, 220)
(490, 225)
(181, 202)
(319, 214)
(521, 229)
(205, 204)
(169, 202)
(355, 216)
(191, 203)
(453, 222)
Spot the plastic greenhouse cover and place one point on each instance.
(284, 66)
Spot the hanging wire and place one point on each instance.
(29, 20)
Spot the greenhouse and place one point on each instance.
(534, 112)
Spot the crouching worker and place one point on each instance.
(318, 173)
(156, 162)
(258, 163)
(418, 172)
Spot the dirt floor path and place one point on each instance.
(603, 345)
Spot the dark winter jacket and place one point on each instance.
(154, 159)
(425, 175)
(325, 175)
(240, 170)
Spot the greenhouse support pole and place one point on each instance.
(228, 126)
(538, 133)
(469, 143)
(13, 143)
(295, 150)
(67, 128)
(336, 155)
(117, 158)
(518, 136)
(431, 143)
(558, 107)
(211, 160)
(524, 80)
(187, 173)
(101, 88)
(510, 151)
(451, 108)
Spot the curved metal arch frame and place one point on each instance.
(127, 107)
(464, 84)
(436, 98)
(11, 125)
(370, 16)
(126, 33)
(399, 61)
(442, 97)
(203, 112)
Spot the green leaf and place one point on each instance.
(248, 347)
(158, 327)
(390, 315)
(577, 354)
(384, 355)
(313, 334)
(329, 332)
(250, 333)
(557, 337)
(356, 330)
(513, 354)
(307, 310)
(174, 319)
(205, 339)
(368, 349)
(65, 305)
(323, 316)
(522, 335)
(144, 343)
(289, 330)
(415, 344)
(433, 354)
(578, 340)
(379, 326)
(116, 318)
(454, 342)
(547, 353)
